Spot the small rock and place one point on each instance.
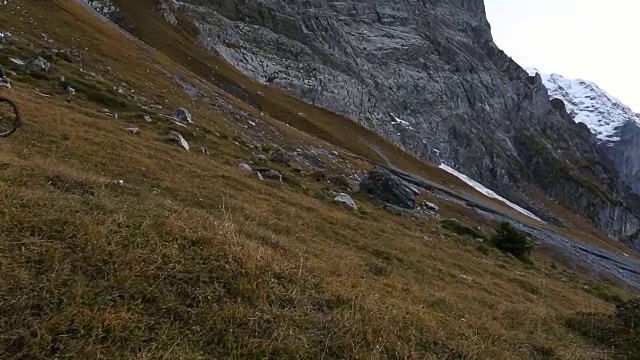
(147, 118)
(176, 136)
(164, 8)
(395, 210)
(346, 199)
(17, 61)
(245, 167)
(271, 174)
(281, 157)
(119, 182)
(260, 93)
(429, 207)
(183, 115)
(261, 158)
(564, 280)
(480, 240)
(302, 115)
(335, 153)
(260, 177)
(134, 130)
(319, 175)
(204, 150)
(5, 83)
(71, 90)
(339, 180)
(40, 63)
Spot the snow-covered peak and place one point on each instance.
(589, 104)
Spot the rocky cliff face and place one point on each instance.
(625, 153)
(615, 126)
(427, 75)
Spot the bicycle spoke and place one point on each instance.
(9, 117)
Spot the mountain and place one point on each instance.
(615, 126)
(427, 76)
(589, 104)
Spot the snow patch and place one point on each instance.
(398, 121)
(481, 188)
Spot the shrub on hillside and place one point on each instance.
(510, 240)
(462, 230)
(628, 314)
(603, 292)
(620, 331)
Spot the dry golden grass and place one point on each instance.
(192, 259)
(180, 44)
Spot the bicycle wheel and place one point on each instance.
(9, 117)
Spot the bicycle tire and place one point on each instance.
(16, 120)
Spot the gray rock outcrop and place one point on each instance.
(244, 167)
(183, 115)
(39, 63)
(109, 10)
(345, 199)
(269, 174)
(178, 139)
(165, 9)
(390, 189)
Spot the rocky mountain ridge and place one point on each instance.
(427, 76)
(615, 126)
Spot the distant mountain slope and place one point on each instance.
(427, 76)
(587, 103)
(615, 125)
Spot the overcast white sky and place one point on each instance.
(591, 39)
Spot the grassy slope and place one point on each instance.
(191, 258)
(180, 44)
